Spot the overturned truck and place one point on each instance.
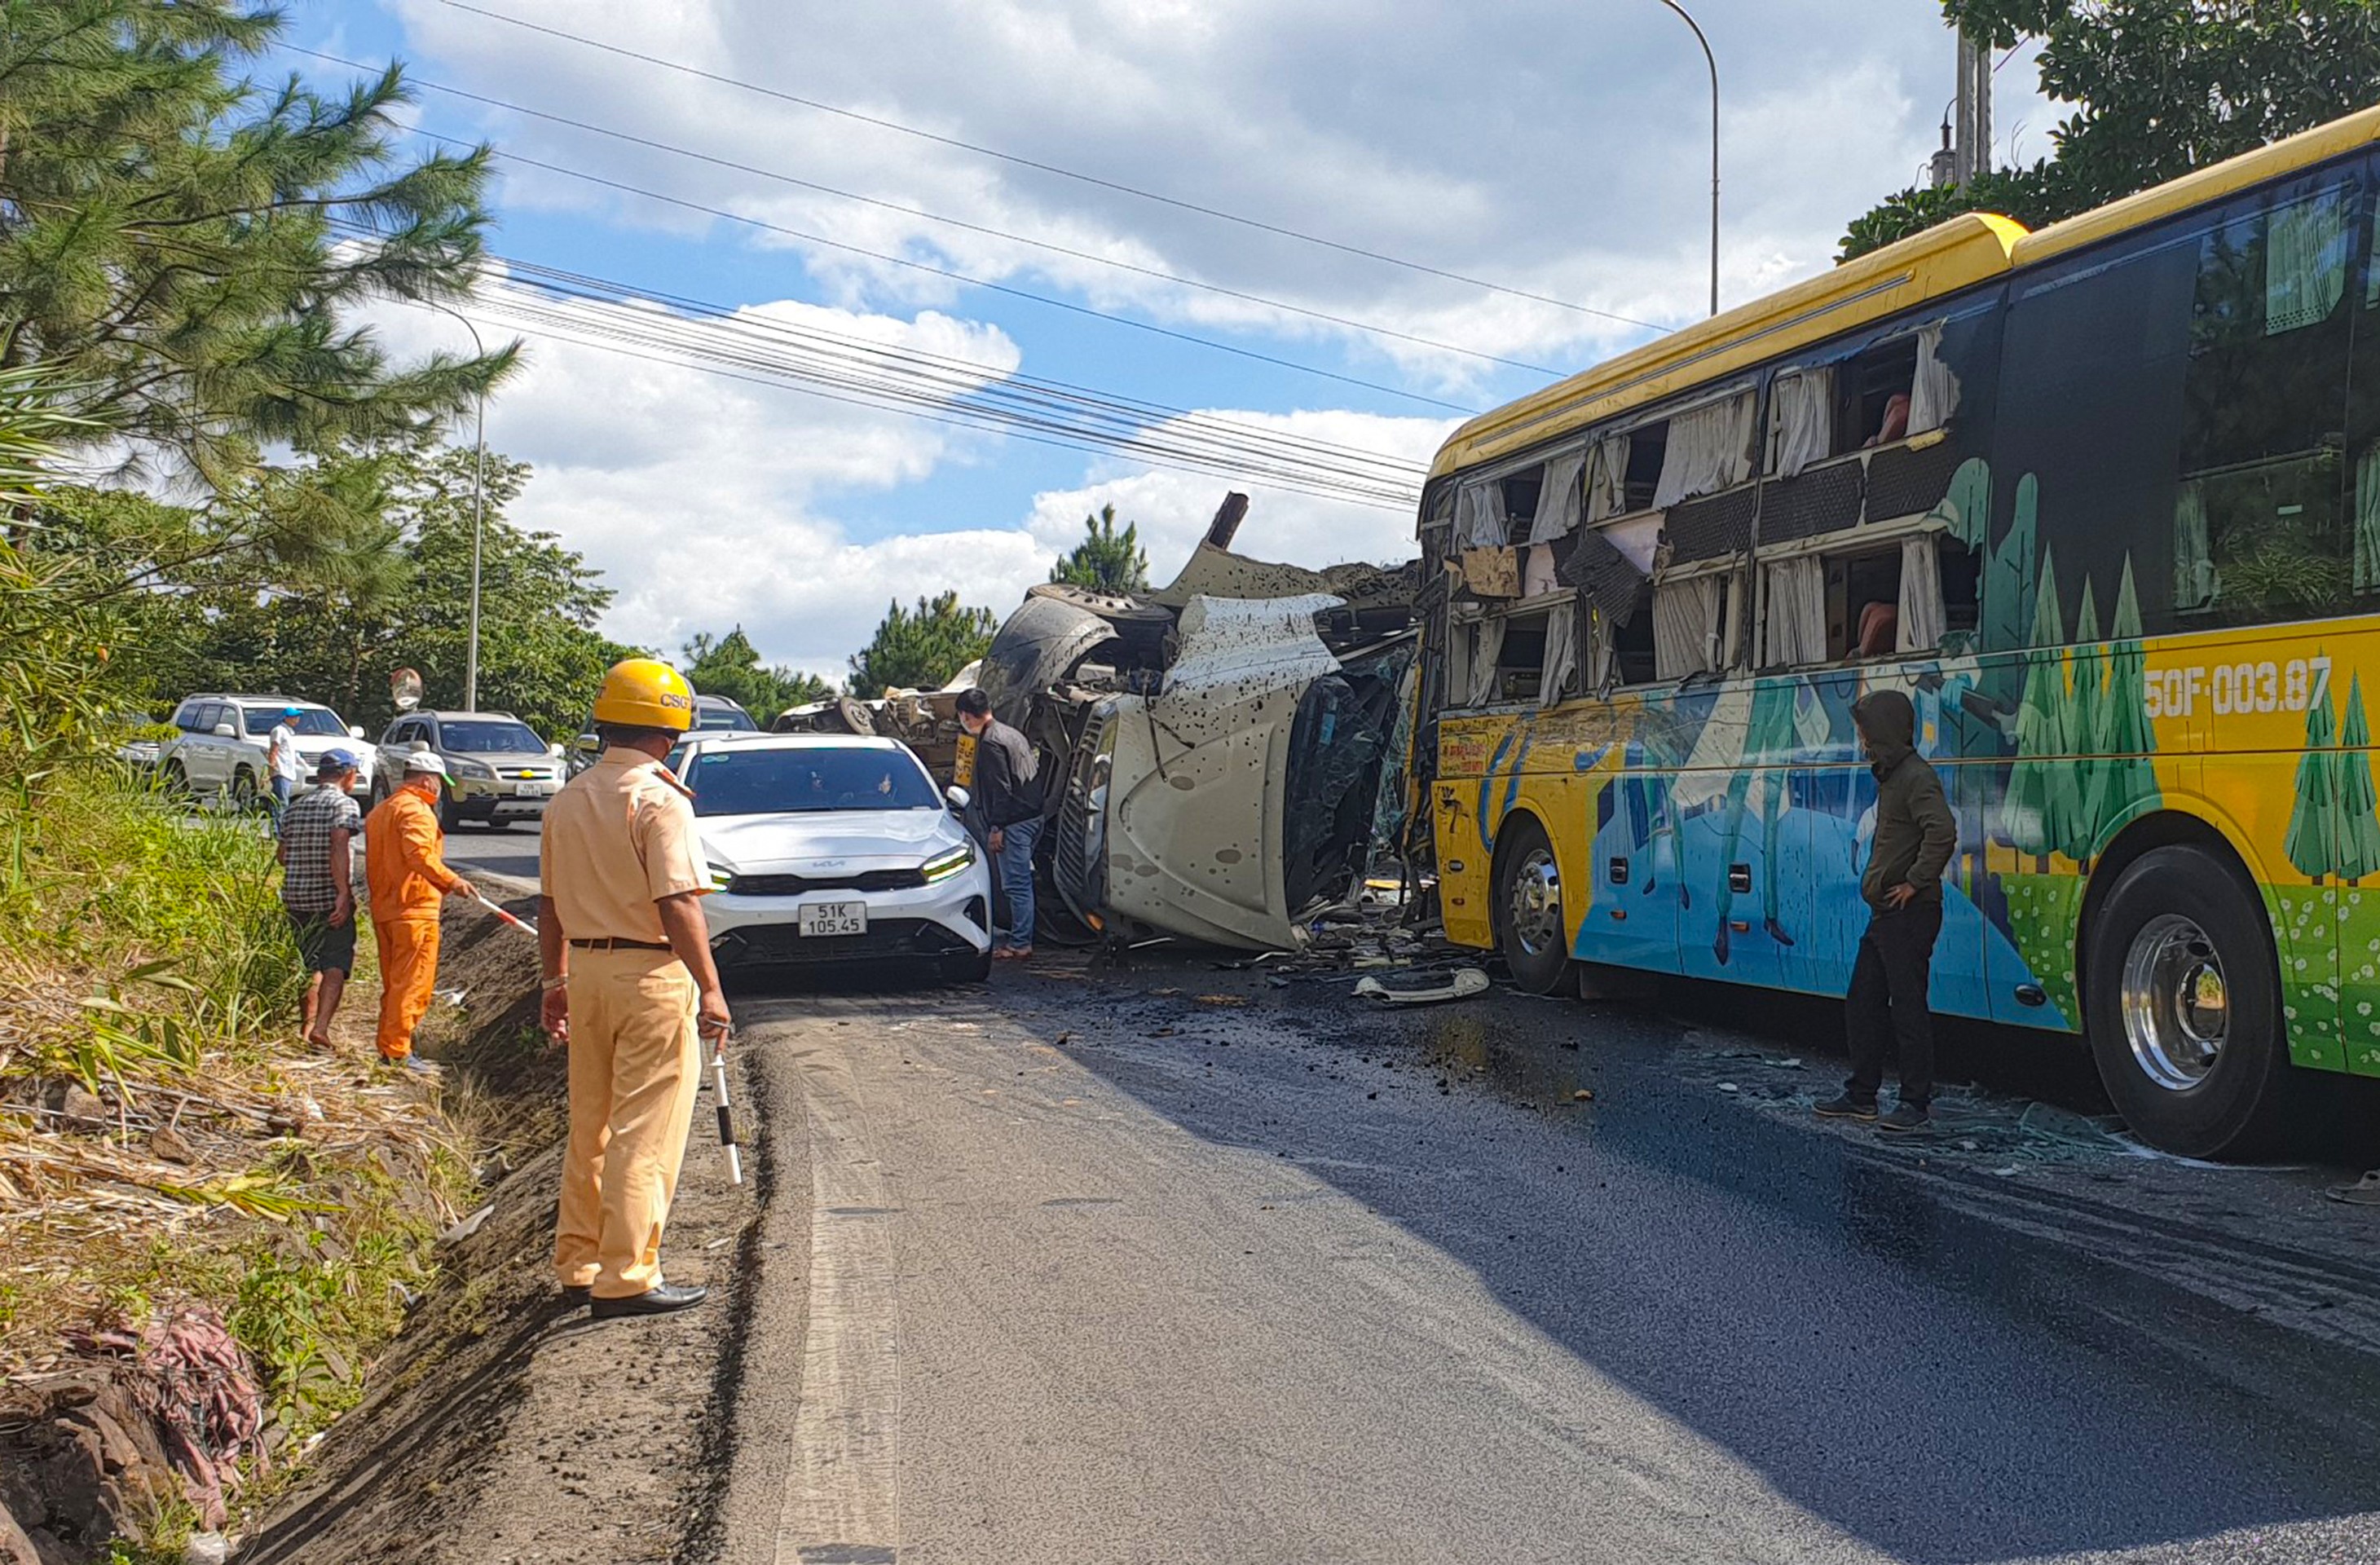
(1217, 747)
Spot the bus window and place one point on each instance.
(2259, 520)
(1910, 597)
(1648, 448)
(1873, 395)
(1632, 643)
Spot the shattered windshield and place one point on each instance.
(811, 779)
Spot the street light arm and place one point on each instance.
(1712, 61)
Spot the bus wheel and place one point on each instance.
(1529, 923)
(2185, 1008)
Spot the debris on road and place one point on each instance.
(1431, 988)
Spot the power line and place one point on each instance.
(954, 275)
(1003, 234)
(1022, 162)
(1110, 407)
(838, 368)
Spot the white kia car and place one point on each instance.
(828, 847)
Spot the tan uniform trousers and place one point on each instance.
(635, 1065)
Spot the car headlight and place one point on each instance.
(477, 770)
(721, 877)
(941, 867)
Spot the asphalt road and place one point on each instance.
(1178, 1264)
(1187, 1265)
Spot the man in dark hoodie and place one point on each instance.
(1916, 835)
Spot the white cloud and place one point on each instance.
(1560, 150)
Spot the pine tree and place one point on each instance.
(2009, 585)
(184, 245)
(921, 651)
(1106, 561)
(730, 665)
(2312, 841)
(2076, 833)
(2358, 809)
(2123, 779)
(2025, 811)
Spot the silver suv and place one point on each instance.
(220, 752)
(503, 771)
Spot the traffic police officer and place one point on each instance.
(630, 986)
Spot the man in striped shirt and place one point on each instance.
(318, 889)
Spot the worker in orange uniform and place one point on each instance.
(630, 986)
(408, 875)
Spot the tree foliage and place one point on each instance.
(730, 665)
(320, 580)
(1106, 561)
(181, 246)
(921, 651)
(2155, 90)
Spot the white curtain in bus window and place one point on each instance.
(1685, 626)
(1537, 571)
(1921, 617)
(1487, 645)
(1479, 515)
(2193, 556)
(1638, 541)
(1600, 650)
(1796, 629)
(1933, 393)
(1556, 674)
(2305, 263)
(1805, 428)
(1709, 449)
(1606, 477)
(2367, 520)
(1557, 498)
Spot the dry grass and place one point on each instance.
(164, 1134)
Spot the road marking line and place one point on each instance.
(841, 1504)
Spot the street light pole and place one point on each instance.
(1711, 61)
(479, 511)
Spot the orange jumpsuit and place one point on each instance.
(407, 877)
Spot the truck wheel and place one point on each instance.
(2184, 1004)
(1530, 925)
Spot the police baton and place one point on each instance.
(726, 1110)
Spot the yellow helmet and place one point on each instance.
(645, 693)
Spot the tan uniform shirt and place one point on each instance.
(619, 836)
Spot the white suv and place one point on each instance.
(220, 752)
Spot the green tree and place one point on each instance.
(2312, 841)
(2358, 808)
(1106, 561)
(182, 245)
(921, 651)
(2123, 779)
(2155, 90)
(729, 665)
(2030, 811)
(2078, 831)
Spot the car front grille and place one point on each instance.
(801, 885)
(761, 945)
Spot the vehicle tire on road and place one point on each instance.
(177, 781)
(1531, 924)
(243, 791)
(974, 967)
(2183, 998)
(449, 817)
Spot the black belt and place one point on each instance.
(609, 944)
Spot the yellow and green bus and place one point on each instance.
(2104, 500)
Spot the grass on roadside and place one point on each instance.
(164, 1134)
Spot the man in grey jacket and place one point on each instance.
(1916, 835)
(1008, 801)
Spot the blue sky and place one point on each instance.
(1556, 148)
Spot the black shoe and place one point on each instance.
(1906, 1116)
(1846, 1108)
(577, 1298)
(652, 1301)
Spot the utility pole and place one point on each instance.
(479, 514)
(1971, 143)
